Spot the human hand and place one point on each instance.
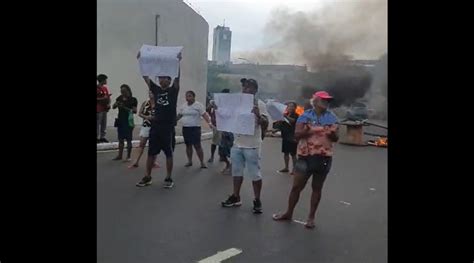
(256, 111)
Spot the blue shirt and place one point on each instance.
(309, 116)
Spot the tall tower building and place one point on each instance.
(221, 45)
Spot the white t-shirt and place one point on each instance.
(255, 140)
(192, 114)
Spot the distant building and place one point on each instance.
(221, 45)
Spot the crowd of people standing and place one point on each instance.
(308, 138)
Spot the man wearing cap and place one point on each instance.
(317, 131)
(245, 153)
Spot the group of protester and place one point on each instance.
(308, 138)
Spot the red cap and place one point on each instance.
(322, 95)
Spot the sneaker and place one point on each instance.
(232, 201)
(257, 206)
(168, 183)
(144, 182)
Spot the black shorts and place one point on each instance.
(288, 147)
(160, 139)
(316, 165)
(124, 131)
(192, 135)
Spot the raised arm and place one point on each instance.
(146, 78)
(176, 80)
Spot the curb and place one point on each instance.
(114, 145)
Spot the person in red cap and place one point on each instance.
(317, 131)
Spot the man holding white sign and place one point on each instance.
(246, 150)
(166, 98)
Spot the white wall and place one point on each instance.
(124, 25)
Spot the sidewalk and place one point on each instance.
(111, 136)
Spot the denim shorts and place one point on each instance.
(246, 158)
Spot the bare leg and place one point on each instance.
(200, 154)
(317, 186)
(227, 165)
(129, 148)
(213, 151)
(293, 160)
(237, 184)
(143, 141)
(169, 167)
(189, 154)
(149, 165)
(257, 188)
(120, 151)
(299, 182)
(286, 158)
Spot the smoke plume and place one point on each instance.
(339, 31)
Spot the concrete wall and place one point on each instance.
(124, 25)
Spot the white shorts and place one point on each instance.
(145, 132)
(246, 158)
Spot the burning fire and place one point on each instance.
(380, 142)
(299, 110)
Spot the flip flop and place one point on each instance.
(278, 217)
(309, 226)
(133, 166)
(203, 167)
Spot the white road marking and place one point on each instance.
(221, 256)
(299, 222)
(343, 202)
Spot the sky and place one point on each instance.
(246, 18)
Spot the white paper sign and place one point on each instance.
(276, 110)
(234, 113)
(157, 61)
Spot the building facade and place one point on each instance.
(221, 45)
(123, 26)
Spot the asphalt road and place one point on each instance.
(187, 223)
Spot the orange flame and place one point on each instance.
(382, 142)
(299, 110)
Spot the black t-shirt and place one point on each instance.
(288, 130)
(128, 103)
(165, 104)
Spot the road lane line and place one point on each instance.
(221, 256)
(299, 222)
